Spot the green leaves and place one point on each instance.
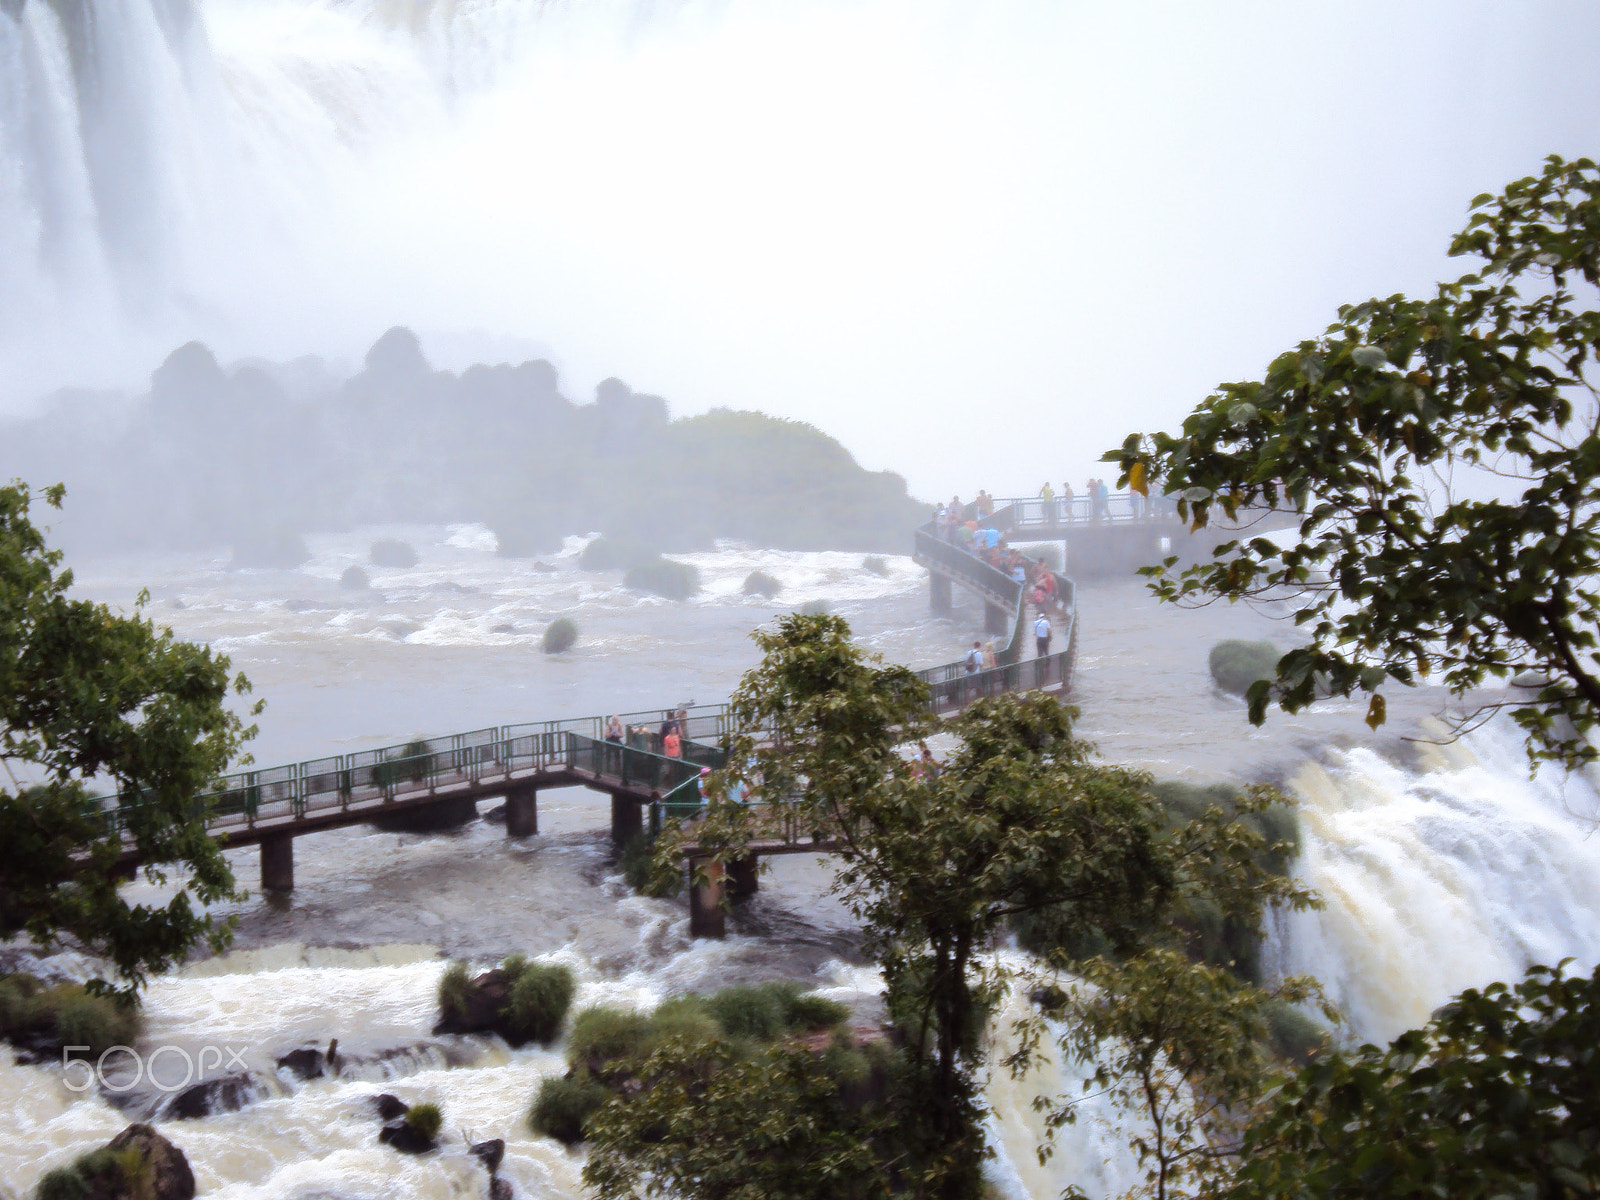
(87, 695)
(1370, 432)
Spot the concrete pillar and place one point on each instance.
(996, 620)
(522, 813)
(277, 863)
(706, 918)
(744, 877)
(938, 594)
(627, 819)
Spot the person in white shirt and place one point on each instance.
(1041, 634)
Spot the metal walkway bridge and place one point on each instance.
(437, 782)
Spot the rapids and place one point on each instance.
(1443, 867)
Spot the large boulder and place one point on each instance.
(137, 1164)
(479, 1011)
(225, 1093)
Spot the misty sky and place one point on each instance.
(978, 242)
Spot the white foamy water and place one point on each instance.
(1446, 873)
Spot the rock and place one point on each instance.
(176, 603)
(1533, 680)
(225, 1093)
(542, 566)
(355, 579)
(489, 1153)
(503, 627)
(400, 1136)
(501, 1189)
(389, 1107)
(168, 1170)
(480, 1012)
(496, 815)
(310, 1063)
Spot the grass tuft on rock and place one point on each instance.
(561, 635)
(563, 1106)
(1236, 664)
(425, 1120)
(605, 1033)
(541, 994)
(759, 583)
(454, 986)
(664, 577)
(65, 1015)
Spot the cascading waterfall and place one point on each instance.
(1435, 881)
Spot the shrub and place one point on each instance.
(425, 1120)
(637, 862)
(875, 564)
(391, 552)
(454, 986)
(604, 1033)
(562, 1106)
(809, 1011)
(540, 997)
(81, 1019)
(562, 634)
(685, 1019)
(102, 1172)
(664, 577)
(1292, 1034)
(354, 579)
(512, 966)
(759, 1012)
(413, 764)
(759, 583)
(1236, 664)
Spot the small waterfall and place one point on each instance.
(1443, 878)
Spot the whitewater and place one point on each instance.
(1443, 866)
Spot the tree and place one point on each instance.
(1443, 456)
(1496, 1096)
(90, 698)
(1019, 819)
(1180, 1046)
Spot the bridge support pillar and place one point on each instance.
(744, 876)
(522, 813)
(996, 620)
(277, 863)
(706, 917)
(627, 819)
(938, 594)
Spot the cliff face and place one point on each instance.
(210, 457)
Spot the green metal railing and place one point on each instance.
(423, 765)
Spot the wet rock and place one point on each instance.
(503, 627)
(309, 1063)
(225, 1093)
(355, 579)
(542, 566)
(389, 1107)
(496, 815)
(480, 1009)
(489, 1153)
(166, 1175)
(400, 1136)
(176, 603)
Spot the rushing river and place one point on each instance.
(1443, 867)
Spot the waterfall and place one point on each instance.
(1464, 871)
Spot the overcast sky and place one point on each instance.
(978, 242)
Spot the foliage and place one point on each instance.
(808, 1012)
(711, 1123)
(101, 1172)
(663, 577)
(1494, 1097)
(540, 996)
(413, 764)
(87, 694)
(1178, 1046)
(392, 552)
(454, 987)
(564, 1104)
(759, 583)
(874, 564)
(425, 1121)
(354, 579)
(639, 868)
(1386, 434)
(64, 1015)
(560, 635)
(758, 1012)
(604, 1033)
(1236, 664)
